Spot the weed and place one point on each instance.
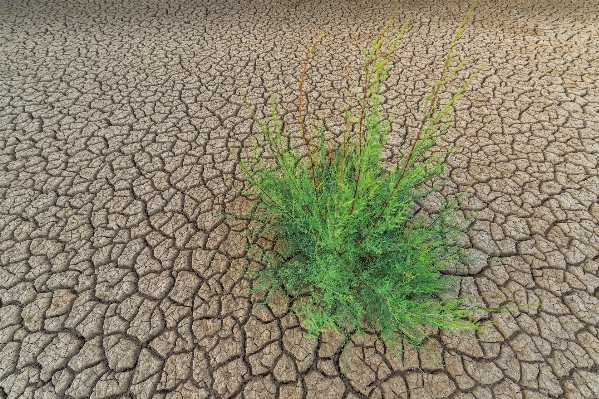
(353, 250)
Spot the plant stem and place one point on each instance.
(301, 119)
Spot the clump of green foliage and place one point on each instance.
(353, 251)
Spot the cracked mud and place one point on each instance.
(121, 131)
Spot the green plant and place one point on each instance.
(352, 249)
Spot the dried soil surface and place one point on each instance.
(121, 131)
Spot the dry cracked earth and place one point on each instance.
(122, 126)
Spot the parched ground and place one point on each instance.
(121, 130)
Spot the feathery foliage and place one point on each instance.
(353, 251)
